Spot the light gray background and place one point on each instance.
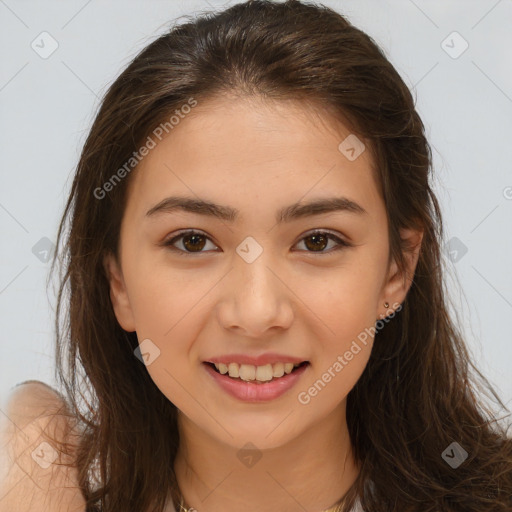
(47, 106)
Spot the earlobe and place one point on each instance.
(398, 283)
(118, 293)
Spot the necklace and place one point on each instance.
(184, 508)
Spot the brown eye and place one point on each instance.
(194, 242)
(319, 240)
(191, 241)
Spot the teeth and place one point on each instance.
(248, 372)
(278, 370)
(233, 369)
(288, 367)
(264, 373)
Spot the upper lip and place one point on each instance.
(261, 360)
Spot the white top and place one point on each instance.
(357, 507)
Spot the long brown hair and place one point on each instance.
(420, 391)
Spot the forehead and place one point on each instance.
(226, 147)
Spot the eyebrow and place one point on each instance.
(226, 213)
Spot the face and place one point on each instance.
(252, 282)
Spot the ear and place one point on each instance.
(118, 293)
(397, 284)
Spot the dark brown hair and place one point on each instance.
(418, 393)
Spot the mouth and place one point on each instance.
(234, 375)
(252, 384)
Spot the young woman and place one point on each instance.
(253, 285)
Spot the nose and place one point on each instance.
(257, 298)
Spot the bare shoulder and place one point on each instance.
(37, 472)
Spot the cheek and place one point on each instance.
(340, 358)
(342, 323)
(165, 313)
(343, 301)
(165, 305)
(335, 306)
(162, 297)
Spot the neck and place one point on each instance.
(310, 472)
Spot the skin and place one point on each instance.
(257, 156)
(35, 414)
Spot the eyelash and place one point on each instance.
(341, 243)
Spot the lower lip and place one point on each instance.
(256, 392)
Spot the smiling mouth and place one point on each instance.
(295, 368)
